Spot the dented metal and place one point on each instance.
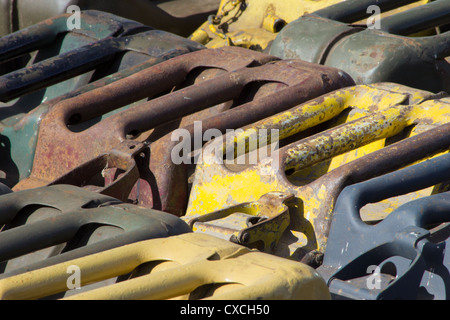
(401, 257)
(380, 54)
(317, 165)
(189, 266)
(54, 224)
(258, 85)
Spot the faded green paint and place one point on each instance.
(21, 130)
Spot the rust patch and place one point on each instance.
(239, 89)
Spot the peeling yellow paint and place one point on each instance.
(381, 114)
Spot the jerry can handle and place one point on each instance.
(421, 18)
(350, 11)
(438, 46)
(30, 38)
(409, 179)
(53, 70)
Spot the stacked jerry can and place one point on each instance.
(266, 149)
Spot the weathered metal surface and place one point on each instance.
(352, 11)
(432, 15)
(408, 248)
(371, 55)
(258, 224)
(320, 162)
(78, 60)
(53, 36)
(254, 24)
(91, 175)
(179, 17)
(54, 224)
(258, 85)
(66, 68)
(192, 266)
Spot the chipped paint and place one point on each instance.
(216, 187)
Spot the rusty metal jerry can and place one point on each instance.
(401, 257)
(215, 89)
(378, 54)
(254, 24)
(66, 64)
(177, 17)
(189, 266)
(49, 225)
(326, 143)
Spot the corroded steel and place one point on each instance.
(259, 86)
(192, 266)
(91, 175)
(53, 36)
(53, 224)
(375, 55)
(301, 167)
(67, 64)
(81, 60)
(101, 48)
(407, 248)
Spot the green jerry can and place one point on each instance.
(51, 225)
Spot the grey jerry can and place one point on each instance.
(402, 256)
(373, 55)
